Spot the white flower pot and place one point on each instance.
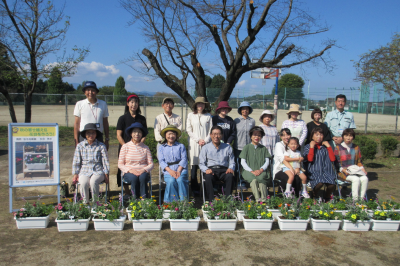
(205, 215)
(221, 224)
(358, 226)
(257, 224)
(32, 222)
(166, 214)
(184, 225)
(147, 224)
(292, 225)
(275, 213)
(239, 215)
(397, 210)
(72, 225)
(384, 225)
(129, 213)
(36, 166)
(324, 225)
(107, 225)
(343, 212)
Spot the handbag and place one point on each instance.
(355, 170)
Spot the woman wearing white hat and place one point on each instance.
(271, 136)
(297, 127)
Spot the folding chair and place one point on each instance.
(126, 183)
(239, 178)
(162, 183)
(105, 198)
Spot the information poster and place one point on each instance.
(33, 154)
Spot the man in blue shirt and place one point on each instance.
(217, 162)
(339, 120)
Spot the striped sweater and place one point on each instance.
(135, 156)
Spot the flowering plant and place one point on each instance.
(257, 210)
(145, 209)
(384, 215)
(341, 204)
(273, 202)
(356, 213)
(223, 207)
(296, 210)
(325, 211)
(70, 210)
(36, 209)
(390, 204)
(35, 159)
(170, 205)
(184, 210)
(110, 211)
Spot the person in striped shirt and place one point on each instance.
(135, 160)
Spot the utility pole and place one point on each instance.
(308, 93)
(276, 98)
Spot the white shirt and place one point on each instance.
(91, 113)
(161, 122)
(278, 157)
(292, 154)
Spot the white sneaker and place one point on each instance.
(305, 194)
(288, 195)
(309, 185)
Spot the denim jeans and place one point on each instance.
(176, 189)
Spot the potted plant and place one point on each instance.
(219, 204)
(28, 148)
(385, 220)
(35, 162)
(184, 217)
(109, 216)
(146, 215)
(324, 218)
(356, 219)
(294, 216)
(169, 207)
(273, 205)
(390, 204)
(240, 206)
(257, 216)
(72, 216)
(34, 215)
(340, 204)
(221, 214)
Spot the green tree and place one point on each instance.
(215, 87)
(294, 87)
(41, 86)
(106, 90)
(55, 85)
(382, 66)
(207, 81)
(120, 90)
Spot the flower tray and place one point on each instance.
(221, 224)
(239, 215)
(205, 215)
(292, 225)
(275, 213)
(107, 225)
(257, 224)
(72, 225)
(32, 222)
(385, 225)
(147, 224)
(358, 226)
(184, 225)
(166, 214)
(36, 166)
(324, 225)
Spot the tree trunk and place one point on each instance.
(10, 105)
(28, 107)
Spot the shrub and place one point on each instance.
(368, 147)
(389, 145)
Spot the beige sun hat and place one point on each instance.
(295, 108)
(201, 100)
(267, 112)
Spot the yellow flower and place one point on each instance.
(259, 207)
(269, 214)
(141, 196)
(330, 205)
(263, 213)
(44, 203)
(331, 212)
(354, 216)
(393, 198)
(320, 212)
(382, 214)
(264, 204)
(134, 208)
(376, 212)
(133, 215)
(326, 214)
(249, 206)
(154, 200)
(153, 196)
(370, 199)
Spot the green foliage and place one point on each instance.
(222, 206)
(120, 87)
(184, 210)
(388, 145)
(256, 210)
(106, 90)
(356, 213)
(383, 215)
(55, 85)
(207, 81)
(215, 87)
(368, 147)
(274, 202)
(294, 211)
(145, 209)
(36, 209)
(325, 211)
(72, 210)
(294, 87)
(41, 86)
(110, 211)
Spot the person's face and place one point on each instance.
(133, 104)
(137, 134)
(256, 138)
(245, 111)
(267, 119)
(216, 136)
(293, 145)
(348, 139)
(168, 106)
(91, 135)
(317, 116)
(90, 93)
(200, 107)
(317, 137)
(340, 103)
(224, 111)
(285, 137)
(170, 136)
(294, 115)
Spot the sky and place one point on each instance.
(102, 25)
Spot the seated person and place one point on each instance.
(173, 161)
(217, 162)
(349, 155)
(135, 160)
(255, 160)
(90, 165)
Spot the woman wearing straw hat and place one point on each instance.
(198, 126)
(271, 136)
(173, 161)
(297, 127)
(225, 122)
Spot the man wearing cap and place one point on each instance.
(91, 110)
(217, 162)
(166, 118)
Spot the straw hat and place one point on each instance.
(267, 112)
(171, 128)
(295, 108)
(201, 100)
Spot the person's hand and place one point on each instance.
(296, 171)
(229, 171)
(312, 144)
(75, 179)
(177, 174)
(202, 142)
(344, 170)
(170, 171)
(106, 178)
(365, 172)
(254, 172)
(326, 144)
(337, 140)
(209, 172)
(301, 159)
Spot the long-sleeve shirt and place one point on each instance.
(211, 156)
(161, 122)
(170, 154)
(243, 127)
(247, 167)
(339, 121)
(298, 129)
(270, 139)
(90, 159)
(228, 127)
(135, 156)
(278, 157)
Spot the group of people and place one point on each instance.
(313, 153)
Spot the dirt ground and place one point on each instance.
(276, 247)
(56, 114)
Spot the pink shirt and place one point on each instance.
(135, 156)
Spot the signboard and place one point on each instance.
(264, 72)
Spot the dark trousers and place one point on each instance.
(194, 183)
(281, 180)
(238, 164)
(218, 174)
(328, 192)
(99, 137)
(135, 180)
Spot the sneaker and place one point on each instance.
(309, 185)
(288, 195)
(305, 194)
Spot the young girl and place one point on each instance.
(292, 166)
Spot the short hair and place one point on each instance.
(138, 112)
(341, 96)
(168, 100)
(256, 129)
(217, 127)
(349, 131)
(315, 130)
(315, 111)
(204, 110)
(286, 130)
(295, 139)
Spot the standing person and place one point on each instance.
(131, 115)
(297, 127)
(90, 165)
(316, 116)
(224, 121)
(339, 120)
(165, 119)
(255, 161)
(173, 161)
(243, 125)
(199, 124)
(91, 110)
(271, 136)
(217, 162)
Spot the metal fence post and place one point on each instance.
(366, 118)
(66, 110)
(396, 106)
(144, 105)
